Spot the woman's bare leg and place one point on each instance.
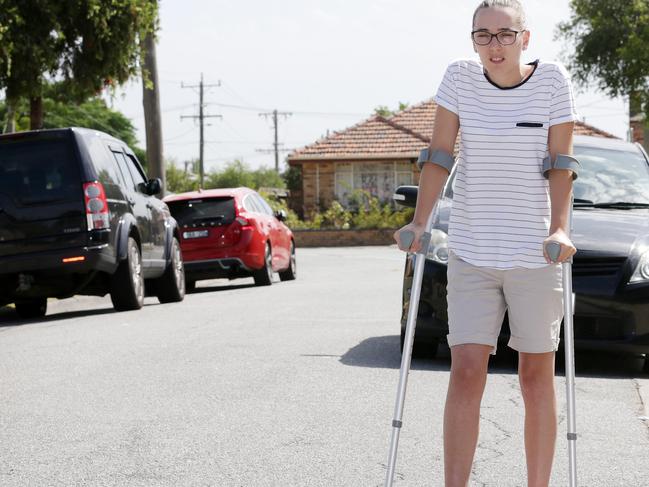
(469, 363)
(536, 376)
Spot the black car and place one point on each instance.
(79, 216)
(610, 269)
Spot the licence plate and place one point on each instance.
(196, 234)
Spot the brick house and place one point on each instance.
(377, 154)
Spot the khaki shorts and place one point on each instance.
(479, 296)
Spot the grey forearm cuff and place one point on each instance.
(439, 157)
(563, 161)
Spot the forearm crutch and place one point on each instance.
(407, 237)
(553, 249)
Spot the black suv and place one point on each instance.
(79, 216)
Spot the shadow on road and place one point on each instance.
(213, 288)
(8, 316)
(384, 352)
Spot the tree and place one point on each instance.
(87, 44)
(60, 112)
(293, 177)
(237, 173)
(179, 181)
(267, 177)
(384, 111)
(610, 47)
(31, 46)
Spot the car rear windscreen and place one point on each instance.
(203, 212)
(39, 171)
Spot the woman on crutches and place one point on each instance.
(512, 196)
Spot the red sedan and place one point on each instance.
(231, 233)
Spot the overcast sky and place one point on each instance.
(329, 63)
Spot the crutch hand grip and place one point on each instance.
(406, 237)
(554, 250)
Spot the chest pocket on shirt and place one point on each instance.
(530, 124)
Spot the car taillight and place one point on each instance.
(97, 213)
(242, 221)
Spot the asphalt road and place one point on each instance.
(287, 385)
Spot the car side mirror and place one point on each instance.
(153, 186)
(406, 196)
(281, 215)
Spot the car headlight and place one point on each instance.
(641, 272)
(438, 248)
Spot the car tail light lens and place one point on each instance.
(242, 221)
(97, 213)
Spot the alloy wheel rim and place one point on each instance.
(269, 263)
(178, 266)
(136, 272)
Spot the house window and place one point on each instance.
(379, 179)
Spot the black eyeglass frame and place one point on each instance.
(516, 32)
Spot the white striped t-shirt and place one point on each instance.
(501, 204)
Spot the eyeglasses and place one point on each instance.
(504, 37)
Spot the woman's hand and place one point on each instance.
(567, 248)
(418, 231)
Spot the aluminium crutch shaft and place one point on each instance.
(554, 249)
(415, 291)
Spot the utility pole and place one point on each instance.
(276, 145)
(152, 119)
(201, 117)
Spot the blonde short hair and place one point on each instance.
(514, 4)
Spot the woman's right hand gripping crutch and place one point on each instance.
(433, 176)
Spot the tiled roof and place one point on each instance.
(403, 134)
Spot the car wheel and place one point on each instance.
(264, 276)
(170, 287)
(190, 286)
(290, 273)
(31, 308)
(127, 287)
(420, 348)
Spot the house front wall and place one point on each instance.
(324, 182)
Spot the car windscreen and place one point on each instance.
(605, 175)
(39, 171)
(608, 175)
(203, 212)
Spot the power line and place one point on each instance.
(201, 117)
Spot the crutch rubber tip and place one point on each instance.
(396, 423)
(406, 237)
(554, 250)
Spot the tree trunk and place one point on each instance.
(10, 124)
(36, 113)
(152, 122)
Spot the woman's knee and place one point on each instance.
(469, 365)
(536, 375)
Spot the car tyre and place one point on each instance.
(264, 276)
(31, 308)
(420, 348)
(290, 273)
(127, 286)
(170, 287)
